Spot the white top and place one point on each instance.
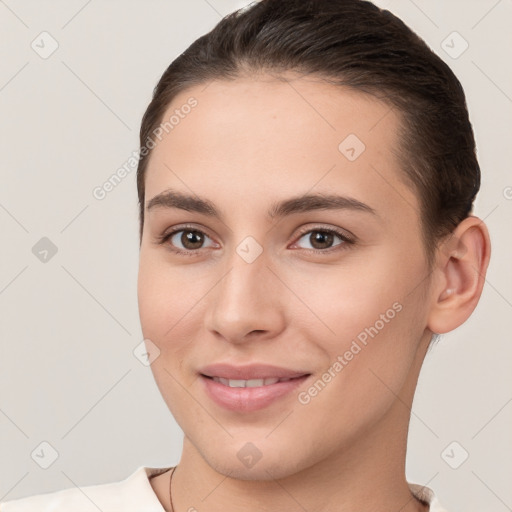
(133, 494)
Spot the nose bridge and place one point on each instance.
(248, 272)
(244, 298)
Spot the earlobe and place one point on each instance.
(462, 261)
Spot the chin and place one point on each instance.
(251, 463)
(261, 471)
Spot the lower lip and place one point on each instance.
(249, 399)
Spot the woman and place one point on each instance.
(306, 180)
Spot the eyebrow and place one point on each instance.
(174, 199)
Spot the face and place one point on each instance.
(335, 293)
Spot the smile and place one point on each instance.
(251, 383)
(249, 395)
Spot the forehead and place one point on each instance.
(258, 136)
(279, 113)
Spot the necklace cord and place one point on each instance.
(170, 488)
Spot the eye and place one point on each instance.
(321, 239)
(185, 240)
(188, 240)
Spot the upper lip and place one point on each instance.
(250, 371)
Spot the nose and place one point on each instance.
(246, 304)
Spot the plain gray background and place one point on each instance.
(69, 325)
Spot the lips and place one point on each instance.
(250, 398)
(248, 373)
(248, 388)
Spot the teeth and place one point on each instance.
(251, 383)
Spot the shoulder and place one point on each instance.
(132, 493)
(424, 494)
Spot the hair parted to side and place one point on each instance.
(351, 43)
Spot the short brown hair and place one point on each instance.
(355, 44)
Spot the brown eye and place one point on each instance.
(322, 239)
(185, 240)
(191, 239)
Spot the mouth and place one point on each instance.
(252, 383)
(248, 395)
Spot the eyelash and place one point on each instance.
(347, 241)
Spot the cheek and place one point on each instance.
(147, 290)
(162, 302)
(158, 297)
(375, 316)
(170, 302)
(353, 297)
(367, 363)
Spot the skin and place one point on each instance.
(248, 143)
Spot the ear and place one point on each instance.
(461, 266)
